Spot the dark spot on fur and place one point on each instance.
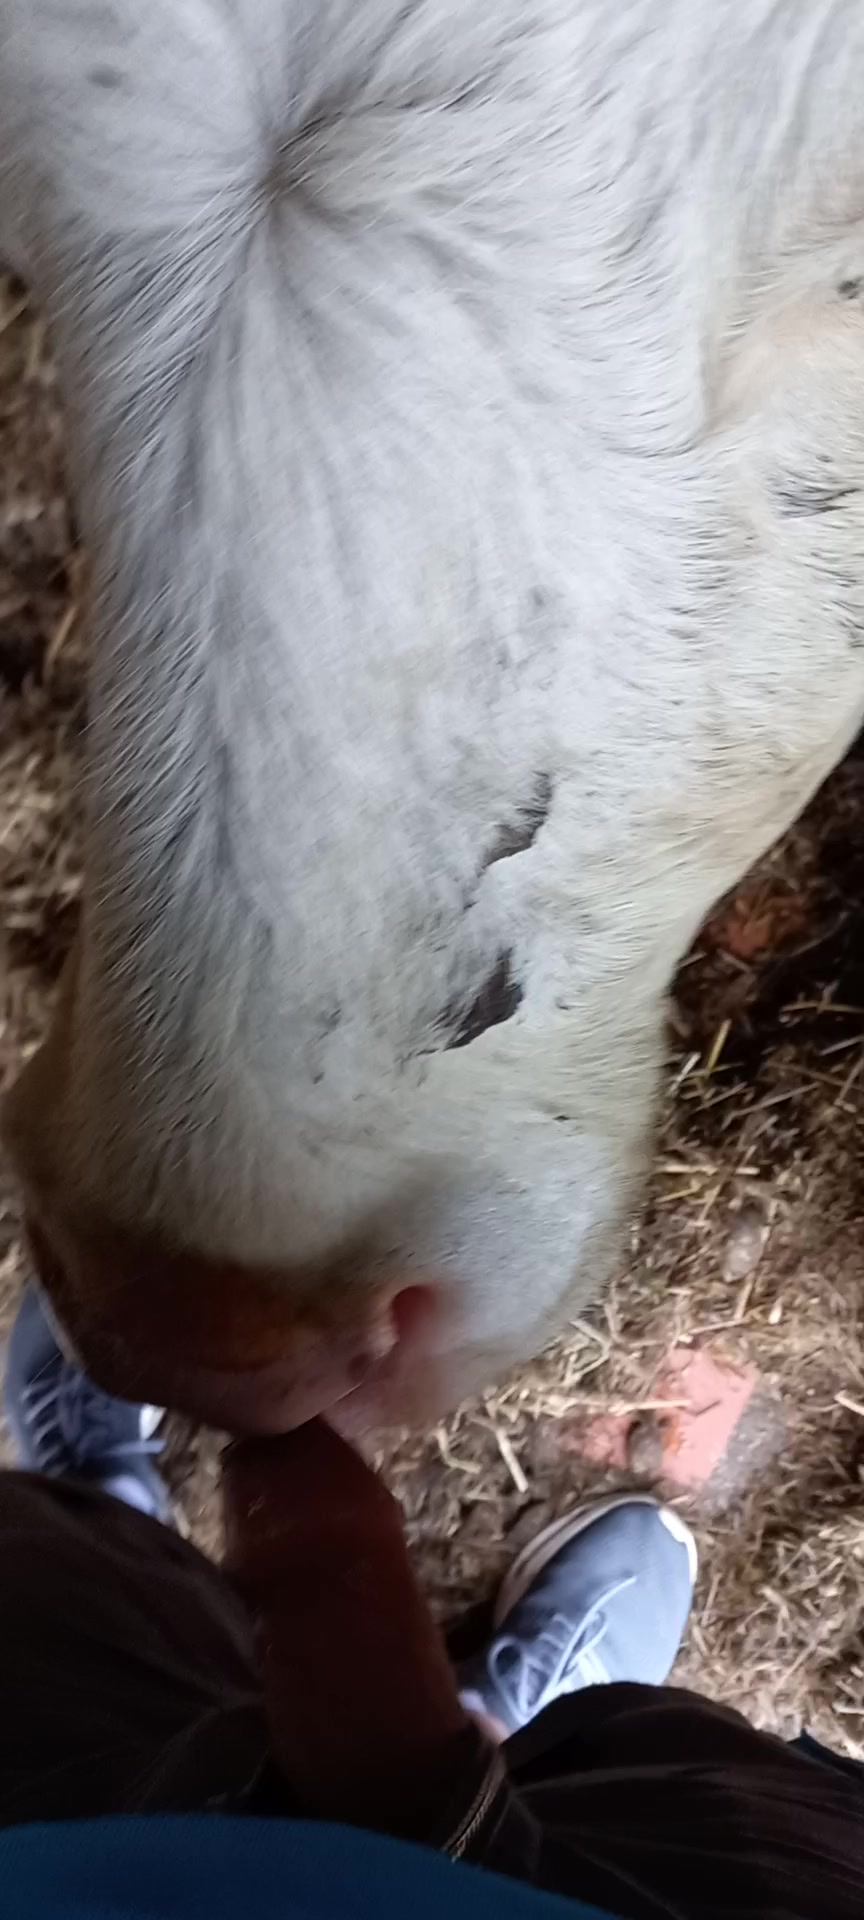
(846, 603)
(496, 1002)
(850, 289)
(519, 837)
(328, 1020)
(802, 498)
(106, 76)
(644, 223)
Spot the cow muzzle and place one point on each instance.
(240, 1349)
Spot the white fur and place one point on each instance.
(454, 386)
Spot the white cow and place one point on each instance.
(466, 410)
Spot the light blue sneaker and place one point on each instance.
(65, 1426)
(603, 1594)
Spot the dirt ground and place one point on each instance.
(749, 1248)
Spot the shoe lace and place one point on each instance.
(554, 1662)
(70, 1418)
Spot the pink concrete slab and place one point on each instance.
(704, 1400)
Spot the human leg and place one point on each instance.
(643, 1798)
(127, 1676)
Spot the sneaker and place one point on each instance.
(65, 1426)
(602, 1595)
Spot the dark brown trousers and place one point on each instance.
(128, 1684)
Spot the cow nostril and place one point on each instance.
(412, 1311)
(398, 1329)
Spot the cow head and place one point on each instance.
(351, 1078)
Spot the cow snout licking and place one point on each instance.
(234, 1348)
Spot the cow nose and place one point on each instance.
(225, 1344)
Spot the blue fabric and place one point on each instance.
(211, 1867)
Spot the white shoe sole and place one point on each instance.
(543, 1548)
